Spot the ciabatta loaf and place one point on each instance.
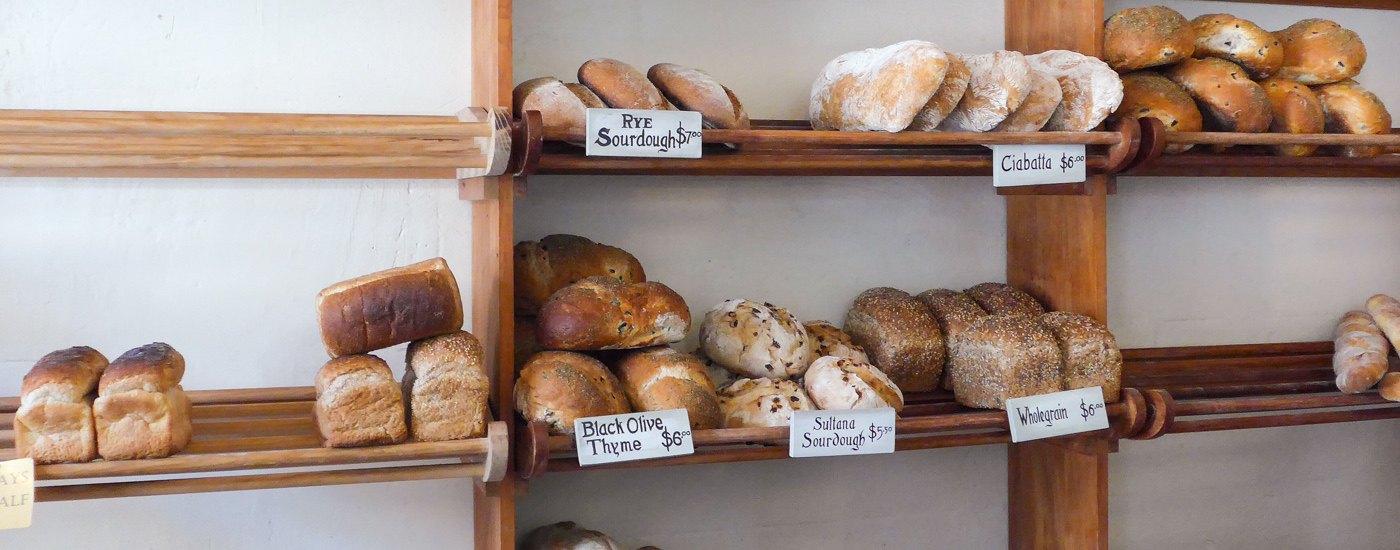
(879, 89)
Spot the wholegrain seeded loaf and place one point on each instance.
(1005, 357)
(954, 311)
(1089, 352)
(1004, 299)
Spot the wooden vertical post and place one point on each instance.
(1058, 494)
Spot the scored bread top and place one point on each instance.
(154, 368)
(1040, 104)
(1092, 90)
(1238, 41)
(65, 375)
(998, 83)
(949, 93)
(695, 90)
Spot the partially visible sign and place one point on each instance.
(1056, 414)
(635, 436)
(846, 432)
(1014, 165)
(642, 133)
(16, 493)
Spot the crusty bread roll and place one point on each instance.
(559, 387)
(1297, 110)
(900, 336)
(1385, 310)
(1359, 356)
(998, 83)
(54, 422)
(1238, 41)
(599, 313)
(762, 402)
(389, 308)
(1390, 386)
(954, 311)
(661, 378)
(1318, 51)
(1089, 353)
(841, 383)
(1004, 299)
(446, 388)
(949, 93)
(141, 411)
(1352, 109)
(695, 90)
(567, 535)
(755, 340)
(1149, 94)
(620, 85)
(1045, 96)
(563, 107)
(1139, 38)
(827, 339)
(1092, 90)
(543, 267)
(879, 89)
(1228, 99)
(1004, 357)
(358, 403)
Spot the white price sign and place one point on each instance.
(641, 133)
(635, 436)
(836, 433)
(1057, 414)
(1014, 165)
(16, 493)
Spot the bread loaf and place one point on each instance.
(620, 85)
(1359, 359)
(954, 311)
(599, 313)
(389, 308)
(526, 346)
(827, 340)
(1385, 310)
(1089, 353)
(1036, 109)
(1297, 110)
(447, 388)
(762, 402)
(567, 535)
(1148, 94)
(1092, 90)
(141, 411)
(840, 383)
(554, 262)
(1351, 109)
(1139, 38)
(999, 82)
(661, 378)
(719, 375)
(559, 387)
(1004, 299)
(1390, 386)
(1004, 357)
(563, 107)
(1228, 99)
(1318, 51)
(1238, 41)
(358, 403)
(695, 90)
(900, 336)
(949, 93)
(879, 89)
(755, 340)
(54, 422)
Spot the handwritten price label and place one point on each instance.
(16, 493)
(1056, 414)
(848, 432)
(635, 436)
(1014, 165)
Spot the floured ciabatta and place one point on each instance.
(1039, 105)
(840, 383)
(999, 82)
(949, 93)
(1148, 94)
(829, 340)
(1092, 89)
(879, 89)
(755, 340)
(761, 402)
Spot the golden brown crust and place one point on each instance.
(841, 383)
(69, 373)
(949, 93)
(900, 336)
(1297, 110)
(388, 308)
(1004, 357)
(56, 432)
(695, 90)
(556, 261)
(1138, 38)
(1229, 101)
(620, 85)
(601, 313)
(998, 83)
(446, 388)
(761, 402)
(153, 368)
(661, 378)
(1149, 94)
(1318, 51)
(563, 107)
(358, 403)
(877, 89)
(1004, 299)
(1238, 41)
(1351, 109)
(1089, 353)
(559, 387)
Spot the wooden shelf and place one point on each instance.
(1249, 158)
(239, 432)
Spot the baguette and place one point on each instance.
(1360, 357)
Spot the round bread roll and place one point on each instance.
(840, 383)
(828, 340)
(954, 311)
(1351, 109)
(949, 93)
(544, 267)
(998, 83)
(1139, 38)
(559, 387)
(1228, 99)
(1297, 110)
(1004, 357)
(1238, 41)
(755, 340)
(900, 336)
(879, 89)
(563, 107)
(1318, 51)
(602, 313)
(762, 402)
(620, 85)
(1092, 90)
(1089, 352)
(695, 90)
(1148, 94)
(1004, 299)
(661, 378)
(1038, 106)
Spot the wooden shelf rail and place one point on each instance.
(1249, 157)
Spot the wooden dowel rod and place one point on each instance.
(7, 437)
(1238, 138)
(812, 137)
(768, 164)
(299, 172)
(8, 405)
(226, 161)
(250, 444)
(1236, 350)
(1243, 389)
(70, 144)
(1277, 362)
(1275, 403)
(251, 482)
(951, 440)
(1279, 420)
(247, 126)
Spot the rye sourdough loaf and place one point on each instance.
(563, 107)
(695, 90)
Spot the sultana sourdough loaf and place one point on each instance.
(762, 402)
(1139, 38)
(1297, 110)
(1318, 51)
(620, 85)
(1092, 90)
(900, 336)
(954, 311)
(755, 340)
(1238, 41)
(1228, 99)
(563, 107)
(695, 90)
(358, 403)
(446, 388)
(1004, 299)
(1089, 353)
(54, 422)
(949, 93)
(827, 340)
(1004, 357)
(559, 387)
(1385, 310)
(543, 267)
(1149, 94)
(998, 83)
(841, 383)
(1045, 96)
(879, 89)
(1351, 109)
(141, 411)
(389, 308)
(661, 378)
(1359, 359)
(602, 313)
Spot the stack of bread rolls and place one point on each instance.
(1218, 72)
(1362, 345)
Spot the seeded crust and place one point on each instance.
(1238, 41)
(141, 411)
(756, 340)
(1297, 110)
(999, 83)
(554, 262)
(563, 107)
(1139, 38)
(828, 340)
(1045, 96)
(358, 403)
(1149, 94)
(1089, 352)
(621, 86)
(661, 378)
(762, 402)
(1318, 51)
(446, 388)
(695, 90)
(1004, 357)
(949, 93)
(559, 387)
(1004, 299)
(954, 311)
(900, 336)
(54, 423)
(840, 383)
(1229, 101)
(1351, 109)
(877, 89)
(602, 313)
